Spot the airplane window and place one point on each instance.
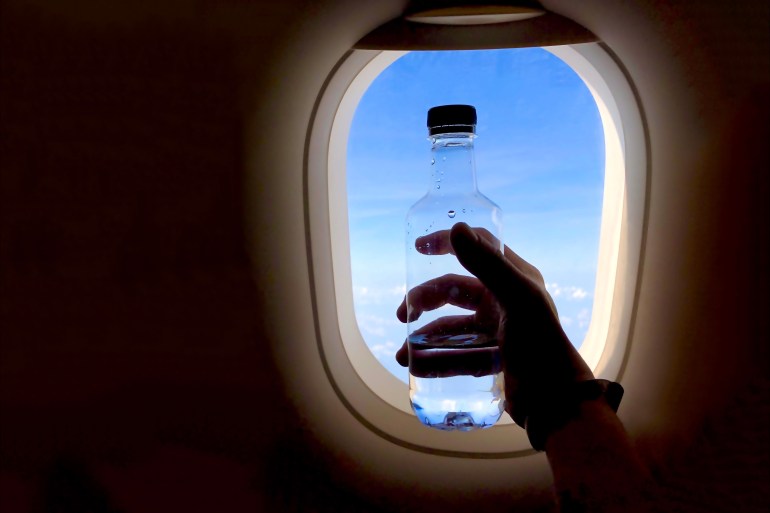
(540, 156)
(561, 147)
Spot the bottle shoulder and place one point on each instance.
(433, 200)
(484, 198)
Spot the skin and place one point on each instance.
(594, 464)
(510, 302)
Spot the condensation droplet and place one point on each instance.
(451, 214)
(438, 186)
(432, 161)
(463, 211)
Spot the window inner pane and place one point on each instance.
(539, 156)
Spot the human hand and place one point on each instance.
(511, 304)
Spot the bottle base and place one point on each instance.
(456, 421)
(479, 410)
(458, 402)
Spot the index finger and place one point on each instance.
(439, 243)
(463, 291)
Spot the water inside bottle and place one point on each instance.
(455, 381)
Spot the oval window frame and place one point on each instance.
(373, 395)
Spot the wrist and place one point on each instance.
(541, 373)
(555, 410)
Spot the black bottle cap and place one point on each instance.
(448, 119)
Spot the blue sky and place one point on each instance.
(539, 156)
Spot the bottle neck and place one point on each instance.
(453, 165)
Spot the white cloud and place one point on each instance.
(583, 318)
(368, 213)
(578, 293)
(376, 325)
(385, 351)
(569, 292)
(379, 295)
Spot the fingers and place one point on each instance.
(453, 289)
(436, 243)
(513, 281)
(402, 355)
(449, 326)
(477, 361)
(445, 328)
(439, 243)
(485, 260)
(426, 363)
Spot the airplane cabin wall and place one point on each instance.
(154, 261)
(700, 342)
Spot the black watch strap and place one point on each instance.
(556, 413)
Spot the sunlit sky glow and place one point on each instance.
(539, 156)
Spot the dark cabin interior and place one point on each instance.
(150, 195)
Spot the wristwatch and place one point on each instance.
(549, 416)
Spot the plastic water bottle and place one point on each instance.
(455, 378)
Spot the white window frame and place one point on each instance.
(371, 393)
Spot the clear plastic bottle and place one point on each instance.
(455, 378)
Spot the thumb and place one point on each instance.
(483, 258)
